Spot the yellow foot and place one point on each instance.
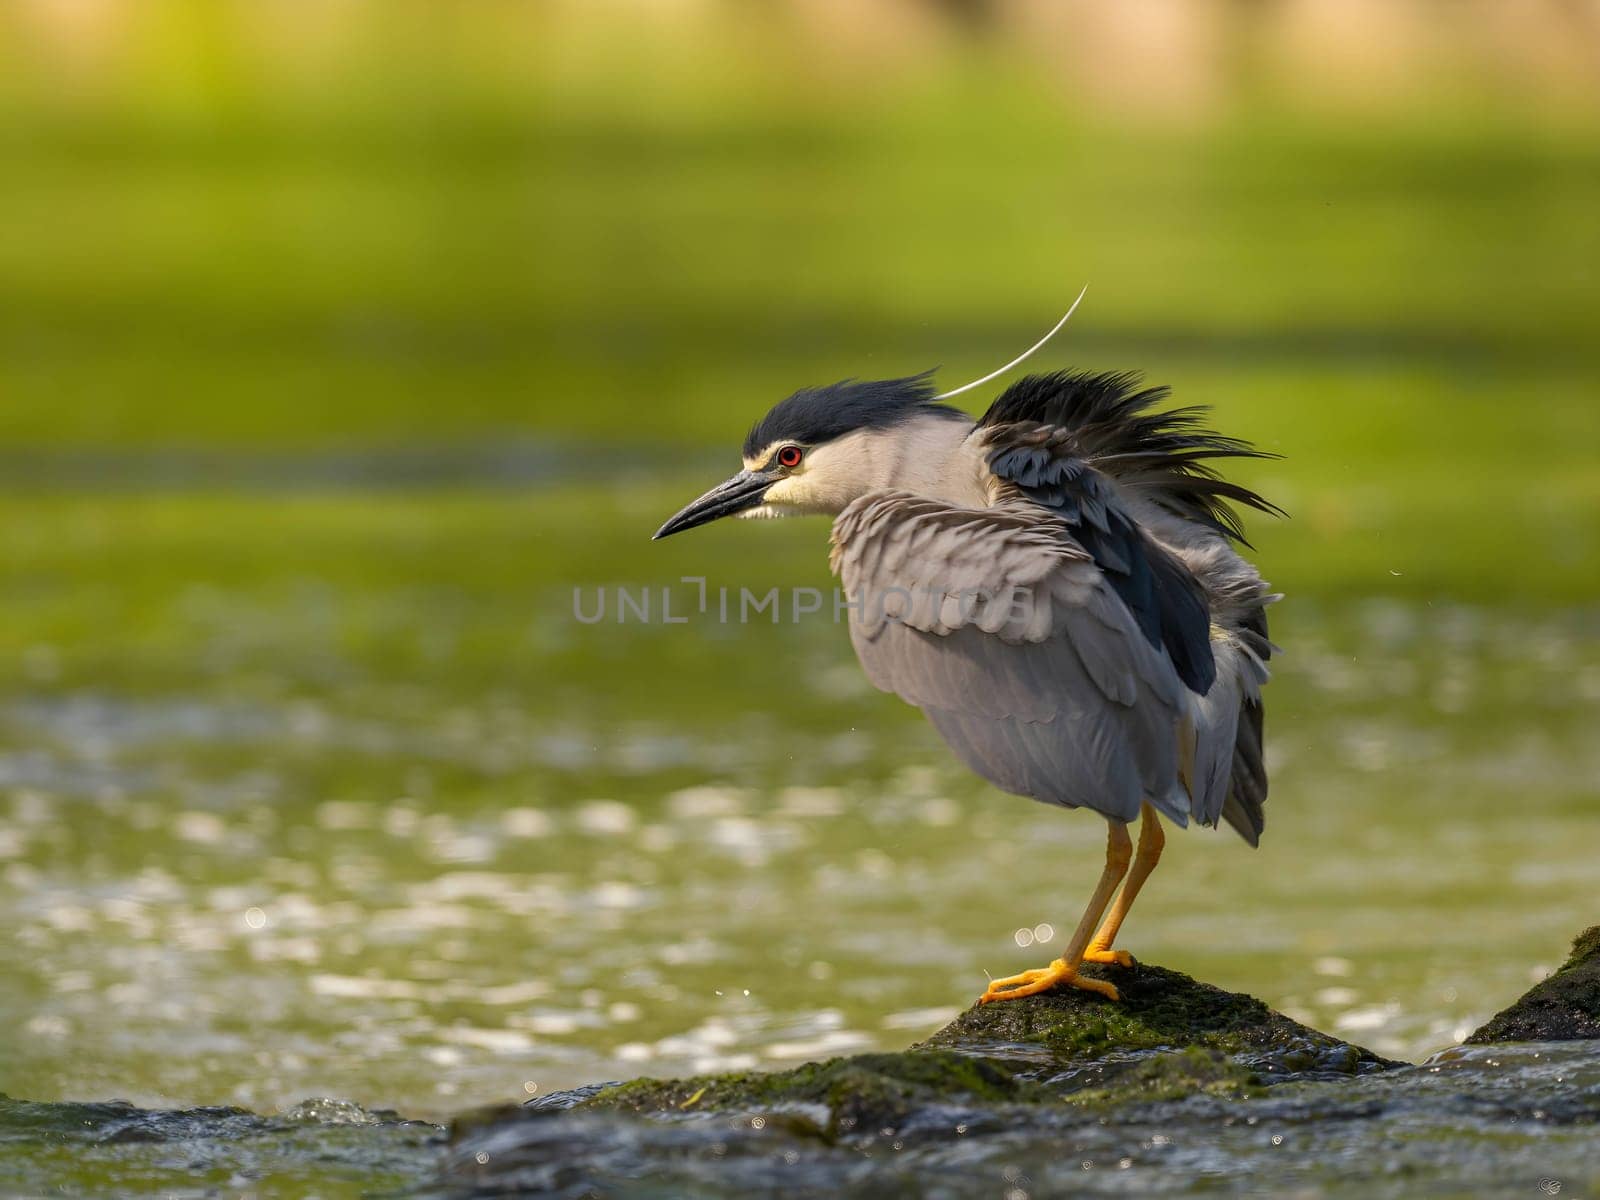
(1099, 954)
(1042, 979)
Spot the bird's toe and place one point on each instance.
(1120, 958)
(1031, 983)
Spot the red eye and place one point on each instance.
(789, 456)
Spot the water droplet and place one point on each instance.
(1043, 932)
(255, 918)
(1023, 937)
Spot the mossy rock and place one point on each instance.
(871, 1091)
(1169, 1037)
(862, 1091)
(1029, 1084)
(1174, 1075)
(1158, 1009)
(1563, 1008)
(1050, 1071)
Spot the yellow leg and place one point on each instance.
(1064, 971)
(1151, 840)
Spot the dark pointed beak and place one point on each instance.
(743, 491)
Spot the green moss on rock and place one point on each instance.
(865, 1090)
(1563, 1008)
(1174, 1075)
(1216, 1043)
(1159, 1009)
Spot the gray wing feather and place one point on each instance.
(1003, 630)
(1227, 724)
(1244, 808)
(1216, 724)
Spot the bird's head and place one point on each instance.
(824, 447)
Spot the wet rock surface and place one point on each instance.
(1168, 1037)
(1565, 1007)
(1472, 1121)
(1181, 1086)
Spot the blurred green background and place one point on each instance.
(240, 231)
(340, 342)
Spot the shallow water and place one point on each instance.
(334, 797)
(319, 1147)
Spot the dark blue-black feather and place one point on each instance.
(1057, 438)
(815, 415)
(1104, 419)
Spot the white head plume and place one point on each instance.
(1019, 359)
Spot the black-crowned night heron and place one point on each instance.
(1056, 586)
